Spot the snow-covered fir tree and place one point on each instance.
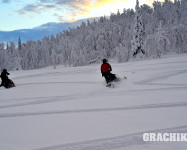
(137, 41)
(19, 43)
(7, 46)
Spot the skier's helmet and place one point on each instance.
(104, 61)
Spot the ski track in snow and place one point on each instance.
(39, 100)
(167, 75)
(149, 106)
(158, 68)
(125, 142)
(44, 100)
(59, 83)
(64, 72)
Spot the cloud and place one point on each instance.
(49, 7)
(32, 8)
(67, 9)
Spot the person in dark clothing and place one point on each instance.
(106, 71)
(4, 77)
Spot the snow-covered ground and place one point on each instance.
(71, 109)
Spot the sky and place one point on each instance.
(27, 14)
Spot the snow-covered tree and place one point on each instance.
(122, 54)
(14, 61)
(137, 41)
(7, 46)
(4, 57)
(19, 43)
(155, 44)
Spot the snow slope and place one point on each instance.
(71, 109)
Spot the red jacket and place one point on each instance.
(105, 68)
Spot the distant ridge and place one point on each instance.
(39, 32)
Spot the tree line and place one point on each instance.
(146, 32)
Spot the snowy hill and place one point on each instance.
(71, 109)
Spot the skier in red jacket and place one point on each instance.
(106, 71)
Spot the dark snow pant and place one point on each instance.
(108, 77)
(4, 81)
